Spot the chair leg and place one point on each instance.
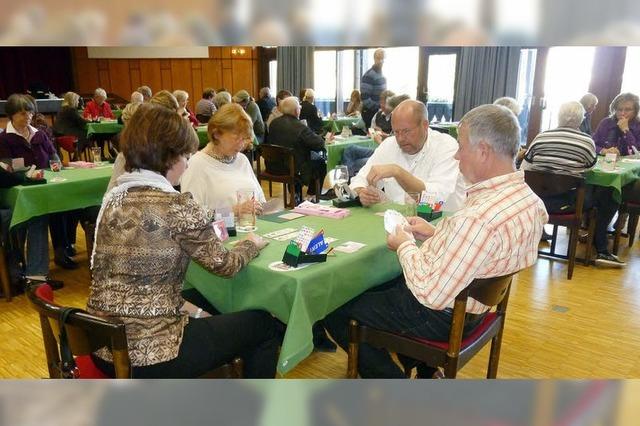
(622, 218)
(554, 238)
(271, 189)
(494, 355)
(352, 352)
(631, 228)
(292, 195)
(451, 368)
(4, 275)
(591, 236)
(573, 243)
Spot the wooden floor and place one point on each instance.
(588, 327)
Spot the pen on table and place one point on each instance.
(329, 252)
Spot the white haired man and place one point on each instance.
(495, 233)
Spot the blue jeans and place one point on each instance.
(390, 307)
(37, 238)
(355, 157)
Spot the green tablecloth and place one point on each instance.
(451, 128)
(83, 188)
(335, 150)
(107, 128)
(117, 113)
(627, 171)
(302, 297)
(336, 125)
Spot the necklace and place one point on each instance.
(225, 159)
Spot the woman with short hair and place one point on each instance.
(217, 171)
(620, 132)
(183, 98)
(146, 234)
(98, 106)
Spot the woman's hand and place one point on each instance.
(612, 150)
(193, 311)
(257, 240)
(420, 228)
(623, 124)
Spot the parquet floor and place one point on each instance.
(588, 327)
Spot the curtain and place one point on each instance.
(484, 74)
(295, 68)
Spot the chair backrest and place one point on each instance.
(86, 333)
(66, 147)
(489, 291)
(278, 155)
(549, 184)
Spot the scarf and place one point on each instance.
(140, 178)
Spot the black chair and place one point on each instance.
(548, 184)
(454, 353)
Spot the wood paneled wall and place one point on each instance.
(123, 76)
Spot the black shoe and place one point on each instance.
(65, 262)
(608, 259)
(70, 251)
(54, 284)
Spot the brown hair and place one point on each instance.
(154, 139)
(166, 99)
(230, 118)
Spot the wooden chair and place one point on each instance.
(87, 333)
(5, 280)
(547, 184)
(284, 155)
(67, 147)
(455, 353)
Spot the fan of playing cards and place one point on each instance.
(392, 219)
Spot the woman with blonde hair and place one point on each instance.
(354, 109)
(69, 122)
(146, 234)
(183, 98)
(219, 170)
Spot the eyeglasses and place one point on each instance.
(620, 109)
(403, 132)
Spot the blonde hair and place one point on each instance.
(222, 98)
(181, 95)
(70, 99)
(230, 118)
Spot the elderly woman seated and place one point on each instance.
(146, 234)
(217, 171)
(183, 98)
(98, 106)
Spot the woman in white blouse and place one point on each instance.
(219, 170)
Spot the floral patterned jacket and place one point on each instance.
(143, 248)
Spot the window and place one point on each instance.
(441, 75)
(524, 90)
(273, 76)
(567, 78)
(631, 76)
(400, 68)
(325, 80)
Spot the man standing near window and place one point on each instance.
(372, 84)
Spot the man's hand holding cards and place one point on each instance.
(394, 224)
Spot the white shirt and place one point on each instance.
(434, 165)
(214, 184)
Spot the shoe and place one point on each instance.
(608, 259)
(65, 262)
(70, 250)
(54, 284)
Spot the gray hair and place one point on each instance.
(386, 94)
(289, 105)
(222, 98)
(570, 114)
(396, 100)
(496, 125)
(589, 99)
(100, 92)
(137, 98)
(146, 92)
(510, 103)
(264, 92)
(309, 94)
(180, 95)
(624, 97)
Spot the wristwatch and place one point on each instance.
(198, 313)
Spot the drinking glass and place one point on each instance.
(411, 201)
(339, 176)
(56, 167)
(246, 220)
(96, 154)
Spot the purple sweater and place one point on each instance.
(608, 135)
(39, 152)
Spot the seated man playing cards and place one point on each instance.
(414, 159)
(496, 232)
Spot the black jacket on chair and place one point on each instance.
(289, 132)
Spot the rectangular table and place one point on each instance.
(335, 150)
(300, 298)
(627, 170)
(104, 128)
(83, 188)
(335, 125)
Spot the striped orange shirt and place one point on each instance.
(496, 233)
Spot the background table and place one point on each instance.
(104, 128)
(83, 188)
(335, 150)
(627, 171)
(300, 298)
(336, 125)
(449, 128)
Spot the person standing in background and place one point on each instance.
(372, 84)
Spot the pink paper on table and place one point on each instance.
(82, 164)
(310, 209)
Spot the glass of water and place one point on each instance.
(246, 220)
(339, 176)
(56, 167)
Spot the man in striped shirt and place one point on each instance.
(495, 233)
(567, 150)
(372, 84)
